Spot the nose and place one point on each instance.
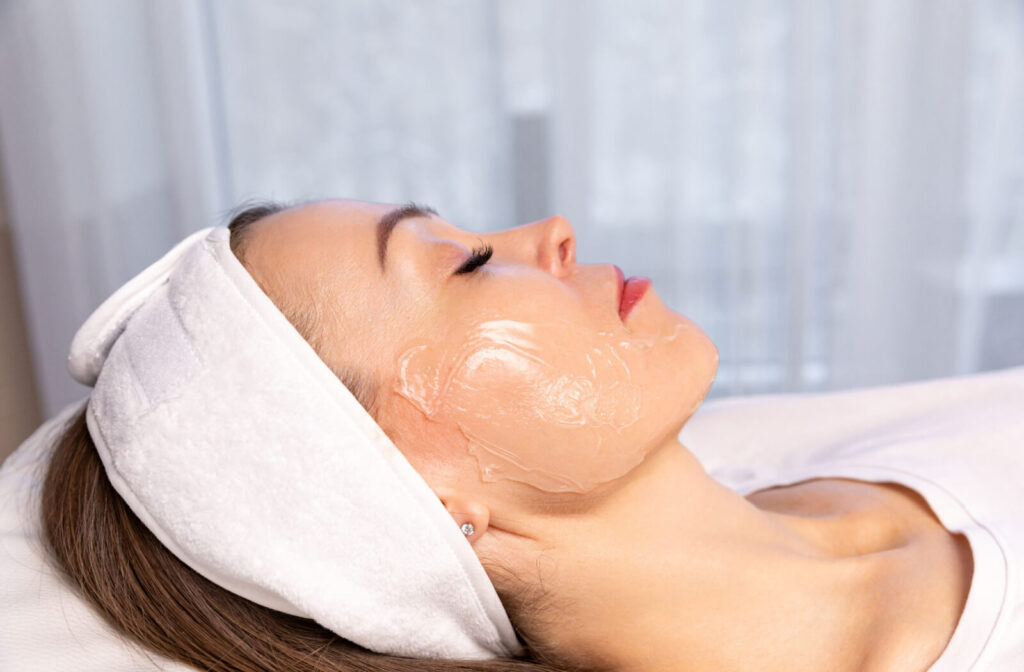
(549, 243)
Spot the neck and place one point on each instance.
(691, 576)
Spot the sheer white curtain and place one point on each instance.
(112, 150)
(832, 190)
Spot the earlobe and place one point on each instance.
(471, 516)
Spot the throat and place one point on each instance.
(689, 575)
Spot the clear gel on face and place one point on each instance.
(551, 405)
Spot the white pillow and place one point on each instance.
(44, 624)
(734, 436)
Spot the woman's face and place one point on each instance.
(528, 368)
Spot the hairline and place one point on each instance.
(305, 314)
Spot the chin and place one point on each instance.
(699, 357)
(686, 370)
(708, 361)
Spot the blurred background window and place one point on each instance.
(833, 190)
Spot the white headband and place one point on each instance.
(244, 454)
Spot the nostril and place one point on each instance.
(563, 252)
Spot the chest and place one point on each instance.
(932, 567)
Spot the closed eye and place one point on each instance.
(478, 258)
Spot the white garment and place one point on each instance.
(959, 442)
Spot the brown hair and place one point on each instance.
(148, 594)
(153, 598)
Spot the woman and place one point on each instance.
(610, 546)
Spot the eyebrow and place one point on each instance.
(389, 221)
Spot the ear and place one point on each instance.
(466, 510)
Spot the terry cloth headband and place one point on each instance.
(236, 445)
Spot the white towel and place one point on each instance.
(247, 458)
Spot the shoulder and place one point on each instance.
(833, 496)
(876, 509)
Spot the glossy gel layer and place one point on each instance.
(573, 387)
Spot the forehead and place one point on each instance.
(343, 229)
(318, 262)
(339, 224)
(303, 257)
(314, 254)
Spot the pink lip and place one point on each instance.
(631, 290)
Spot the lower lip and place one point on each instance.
(632, 292)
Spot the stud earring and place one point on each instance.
(468, 529)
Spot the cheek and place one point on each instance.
(547, 404)
(433, 448)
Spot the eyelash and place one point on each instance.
(478, 258)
